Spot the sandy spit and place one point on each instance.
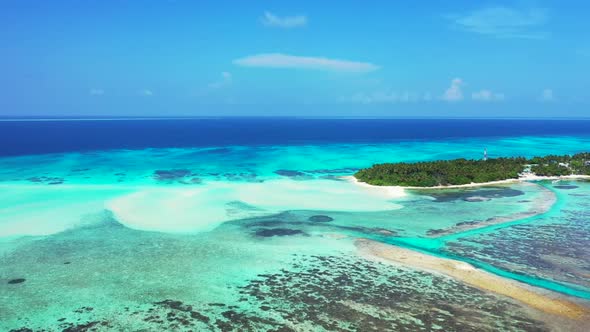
(546, 301)
(540, 206)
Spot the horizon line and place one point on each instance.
(10, 118)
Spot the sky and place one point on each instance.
(304, 58)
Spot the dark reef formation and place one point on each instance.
(16, 281)
(46, 180)
(290, 173)
(320, 218)
(473, 195)
(333, 293)
(269, 232)
(566, 186)
(183, 176)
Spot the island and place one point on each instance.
(463, 171)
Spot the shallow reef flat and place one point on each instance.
(555, 247)
(263, 238)
(535, 198)
(107, 267)
(111, 278)
(293, 271)
(553, 308)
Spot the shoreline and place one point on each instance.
(390, 191)
(526, 178)
(557, 306)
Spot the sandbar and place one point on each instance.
(540, 299)
(539, 206)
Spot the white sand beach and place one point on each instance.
(527, 177)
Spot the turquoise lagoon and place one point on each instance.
(262, 238)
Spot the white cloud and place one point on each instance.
(96, 92)
(277, 60)
(272, 20)
(547, 95)
(385, 97)
(146, 92)
(487, 95)
(225, 80)
(503, 22)
(454, 92)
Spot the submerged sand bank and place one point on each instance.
(540, 299)
(202, 208)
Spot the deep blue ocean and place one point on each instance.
(25, 137)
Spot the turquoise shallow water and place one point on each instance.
(256, 163)
(261, 238)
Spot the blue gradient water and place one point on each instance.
(47, 136)
(194, 195)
